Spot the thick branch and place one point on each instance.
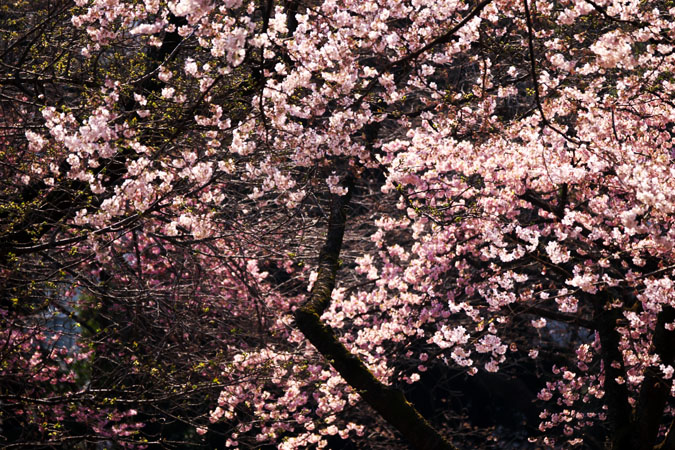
(616, 393)
(655, 388)
(668, 442)
(389, 402)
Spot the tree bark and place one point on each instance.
(616, 393)
(635, 428)
(390, 403)
(655, 388)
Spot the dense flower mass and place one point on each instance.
(230, 223)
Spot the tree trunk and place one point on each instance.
(390, 403)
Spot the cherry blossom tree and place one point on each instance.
(241, 224)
